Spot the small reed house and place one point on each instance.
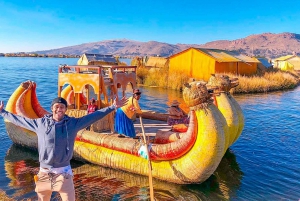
(157, 63)
(288, 62)
(97, 59)
(200, 63)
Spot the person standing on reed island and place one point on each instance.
(123, 119)
(56, 136)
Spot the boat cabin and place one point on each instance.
(78, 84)
(104, 81)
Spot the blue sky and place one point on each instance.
(30, 25)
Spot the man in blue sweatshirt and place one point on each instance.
(56, 136)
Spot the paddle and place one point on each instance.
(149, 162)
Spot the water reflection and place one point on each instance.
(93, 182)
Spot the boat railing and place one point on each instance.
(100, 70)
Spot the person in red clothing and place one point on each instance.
(92, 107)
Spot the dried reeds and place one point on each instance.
(270, 81)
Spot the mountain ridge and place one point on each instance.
(267, 45)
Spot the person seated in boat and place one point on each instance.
(56, 133)
(92, 107)
(65, 69)
(123, 119)
(177, 115)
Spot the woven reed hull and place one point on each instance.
(241, 117)
(195, 166)
(21, 136)
(158, 151)
(230, 113)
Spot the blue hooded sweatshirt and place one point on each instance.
(56, 139)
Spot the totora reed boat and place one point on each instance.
(216, 122)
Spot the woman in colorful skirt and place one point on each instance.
(123, 120)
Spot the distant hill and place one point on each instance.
(266, 45)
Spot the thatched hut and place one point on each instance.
(157, 63)
(287, 62)
(97, 59)
(200, 63)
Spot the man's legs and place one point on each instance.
(65, 187)
(43, 187)
(62, 183)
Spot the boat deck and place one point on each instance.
(151, 126)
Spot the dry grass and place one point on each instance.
(137, 61)
(157, 77)
(160, 78)
(141, 73)
(269, 81)
(176, 80)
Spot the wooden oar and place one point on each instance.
(149, 162)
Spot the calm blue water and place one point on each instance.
(262, 165)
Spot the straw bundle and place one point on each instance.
(131, 146)
(104, 124)
(164, 137)
(196, 96)
(21, 136)
(222, 83)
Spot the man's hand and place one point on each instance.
(1, 105)
(119, 103)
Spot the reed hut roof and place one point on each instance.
(100, 57)
(228, 56)
(223, 55)
(284, 58)
(244, 58)
(219, 55)
(265, 62)
(157, 62)
(97, 59)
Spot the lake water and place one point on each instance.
(263, 164)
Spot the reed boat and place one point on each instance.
(191, 158)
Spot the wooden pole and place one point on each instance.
(149, 162)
